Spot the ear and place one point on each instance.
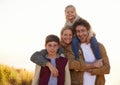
(58, 46)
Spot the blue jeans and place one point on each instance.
(94, 46)
(75, 47)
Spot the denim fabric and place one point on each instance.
(75, 46)
(95, 48)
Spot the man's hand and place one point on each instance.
(98, 63)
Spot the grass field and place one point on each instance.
(12, 76)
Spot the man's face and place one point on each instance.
(82, 33)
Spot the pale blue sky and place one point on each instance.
(24, 25)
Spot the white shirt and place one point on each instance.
(88, 79)
(52, 80)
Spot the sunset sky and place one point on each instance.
(24, 24)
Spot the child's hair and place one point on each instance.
(82, 22)
(51, 38)
(70, 6)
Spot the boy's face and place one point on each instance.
(70, 13)
(52, 48)
(82, 33)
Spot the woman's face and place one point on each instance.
(82, 33)
(67, 36)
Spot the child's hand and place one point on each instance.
(53, 69)
(88, 39)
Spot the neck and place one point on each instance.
(52, 56)
(71, 20)
(63, 44)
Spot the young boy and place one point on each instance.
(43, 75)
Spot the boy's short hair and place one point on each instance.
(51, 38)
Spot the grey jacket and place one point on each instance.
(39, 57)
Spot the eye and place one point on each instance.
(49, 45)
(77, 31)
(55, 46)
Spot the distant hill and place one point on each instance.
(13, 76)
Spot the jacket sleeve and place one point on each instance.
(67, 75)
(105, 69)
(36, 75)
(78, 65)
(39, 57)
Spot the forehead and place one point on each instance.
(67, 31)
(52, 42)
(80, 27)
(70, 8)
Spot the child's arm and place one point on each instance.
(39, 58)
(91, 34)
(53, 69)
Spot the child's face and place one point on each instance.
(52, 48)
(70, 13)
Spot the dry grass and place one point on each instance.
(12, 76)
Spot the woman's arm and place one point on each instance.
(39, 57)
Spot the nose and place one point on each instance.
(79, 33)
(53, 46)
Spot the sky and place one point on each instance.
(24, 24)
